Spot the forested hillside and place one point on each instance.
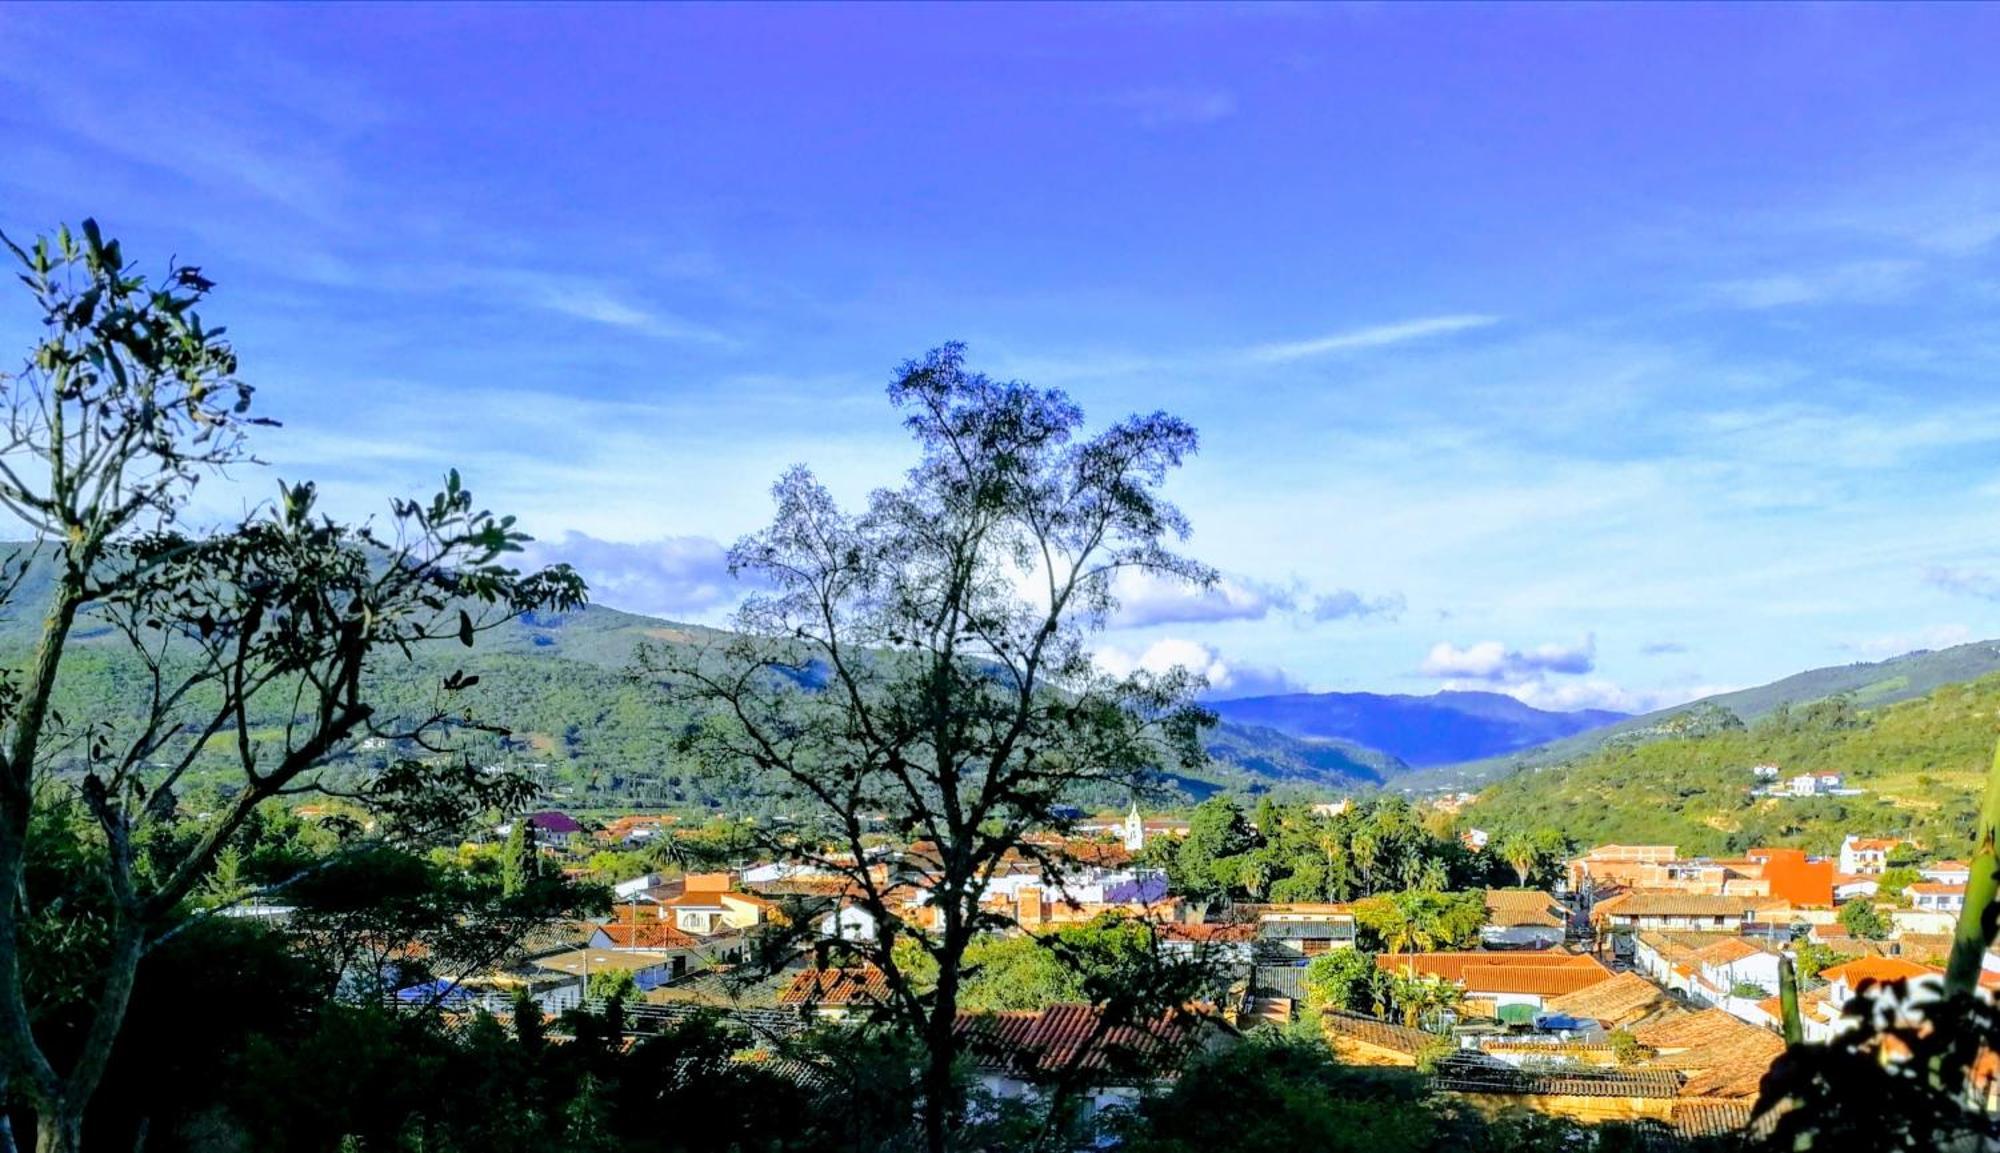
(1921, 761)
(1442, 728)
(1865, 683)
(560, 684)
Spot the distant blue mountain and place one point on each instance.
(1441, 729)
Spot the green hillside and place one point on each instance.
(1921, 761)
(1865, 683)
(590, 733)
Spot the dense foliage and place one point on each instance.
(1300, 853)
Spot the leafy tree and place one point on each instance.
(895, 668)
(125, 404)
(1422, 921)
(1749, 990)
(1864, 920)
(1345, 979)
(1892, 881)
(1625, 1048)
(520, 860)
(1813, 957)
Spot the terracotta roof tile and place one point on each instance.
(1061, 1037)
(837, 987)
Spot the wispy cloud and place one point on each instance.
(1865, 281)
(1663, 648)
(1376, 337)
(1168, 106)
(1966, 582)
(1896, 644)
(600, 305)
(1346, 604)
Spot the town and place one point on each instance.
(1638, 985)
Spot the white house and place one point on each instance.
(1932, 897)
(1947, 873)
(1865, 854)
(849, 923)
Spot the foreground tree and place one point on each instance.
(125, 405)
(920, 666)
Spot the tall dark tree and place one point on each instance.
(922, 663)
(125, 404)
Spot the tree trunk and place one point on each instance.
(58, 1129)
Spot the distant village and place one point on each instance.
(1641, 986)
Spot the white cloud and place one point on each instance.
(1226, 678)
(1149, 599)
(1596, 693)
(1145, 599)
(682, 576)
(1896, 644)
(1376, 337)
(1965, 582)
(1492, 662)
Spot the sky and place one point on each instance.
(1603, 356)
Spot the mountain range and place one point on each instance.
(1441, 729)
(560, 682)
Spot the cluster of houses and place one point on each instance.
(1644, 989)
(1819, 784)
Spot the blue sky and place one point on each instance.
(1599, 355)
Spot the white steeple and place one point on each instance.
(1135, 830)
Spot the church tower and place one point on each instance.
(1135, 830)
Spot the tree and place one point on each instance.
(1864, 920)
(1347, 979)
(127, 402)
(1521, 854)
(897, 668)
(1420, 920)
(1814, 957)
(520, 859)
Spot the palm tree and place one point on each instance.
(1521, 854)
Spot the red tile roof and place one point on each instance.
(654, 934)
(837, 987)
(1062, 1037)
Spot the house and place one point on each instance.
(1227, 945)
(1718, 969)
(649, 970)
(1475, 840)
(1655, 911)
(1618, 1002)
(836, 994)
(1815, 785)
(1291, 933)
(707, 904)
(1523, 918)
(1947, 873)
(551, 828)
(1617, 864)
(1359, 1039)
(1492, 981)
(1853, 886)
(849, 922)
(1020, 1055)
(1866, 855)
(1934, 897)
(1791, 875)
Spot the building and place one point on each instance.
(1815, 785)
(1790, 875)
(1618, 865)
(1523, 919)
(1715, 969)
(1933, 897)
(1947, 873)
(1866, 855)
(1643, 912)
(1025, 1054)
(1492, 981)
